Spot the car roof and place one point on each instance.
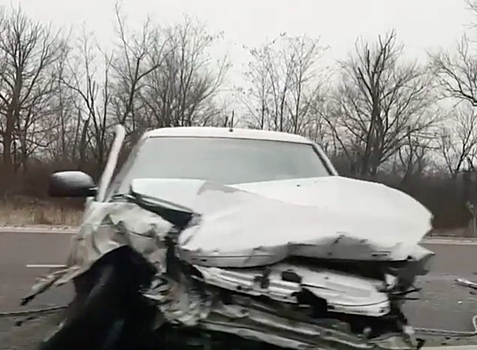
(217, 132)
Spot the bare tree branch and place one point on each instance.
(457, 73)
(285, 85)
(28, 52)
(94, 97)
(182, 91)
(381, 102)
(139, 54)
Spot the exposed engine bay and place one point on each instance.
(190, 264)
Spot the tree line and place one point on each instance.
(378, 114)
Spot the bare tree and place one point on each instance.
(458, 139)
(256, 99)
(89, 79)
(380, 103)
(472, 6)
(28, 52)
(182, 91)
(285, 83)
(457, 72)
(139, 53)
(414, 157)
(63, 139)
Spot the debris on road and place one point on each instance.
(31, 311)
(466, 283)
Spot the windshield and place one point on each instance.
(222, 160)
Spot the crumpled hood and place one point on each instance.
(263, 223)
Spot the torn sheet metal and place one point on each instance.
(273, 323)
(345, 293)
(342, 219)
(179, 303)
(111, 226)
(261, 324)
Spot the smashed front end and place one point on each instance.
(252, 270)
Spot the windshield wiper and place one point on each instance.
(176, 214)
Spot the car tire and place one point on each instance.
(93, 319)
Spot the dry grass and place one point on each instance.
(27, 211)
(449, 233)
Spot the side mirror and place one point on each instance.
(71, 184)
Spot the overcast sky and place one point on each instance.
(420, 24)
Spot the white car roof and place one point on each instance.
(226, 133)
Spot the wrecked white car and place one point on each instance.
(232, 238)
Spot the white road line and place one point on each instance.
(47, 266)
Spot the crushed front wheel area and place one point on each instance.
(108, 312)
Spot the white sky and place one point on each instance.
(420, 24)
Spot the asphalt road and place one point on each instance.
(442, 304)
(17, 250)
